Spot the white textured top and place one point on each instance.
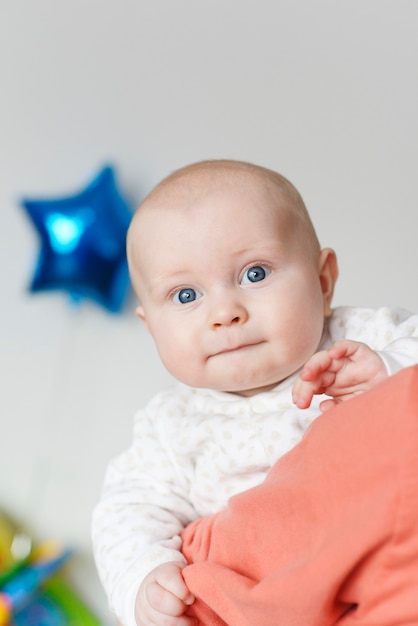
(194, 448)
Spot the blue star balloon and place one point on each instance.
(83, 243)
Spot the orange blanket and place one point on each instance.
(331, 536)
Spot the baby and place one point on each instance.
(236, 292)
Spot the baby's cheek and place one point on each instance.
(181, 363)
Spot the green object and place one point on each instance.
(77, 612)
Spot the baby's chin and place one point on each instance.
(248, 390)
(247, 393)
(241, 378)
(263, 385)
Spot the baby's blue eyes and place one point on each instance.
(186, 295)
(254, 274)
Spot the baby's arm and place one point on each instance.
(163, 597)
(345, 370)
(143, 508)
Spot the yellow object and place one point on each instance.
(4, 613)
(7, 533)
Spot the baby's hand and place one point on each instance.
(345, 370)
(163, 598)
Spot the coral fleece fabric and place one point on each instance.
(331, 535)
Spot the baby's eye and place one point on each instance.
(186, 295)
(255, 274)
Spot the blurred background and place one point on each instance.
(324, 92)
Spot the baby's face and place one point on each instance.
(230, 291)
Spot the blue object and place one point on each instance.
(17, 592)
(83, 243)
(55, 604)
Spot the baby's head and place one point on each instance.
(232, 283)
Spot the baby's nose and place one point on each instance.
(228, 313)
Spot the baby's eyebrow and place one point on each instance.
(168, 280)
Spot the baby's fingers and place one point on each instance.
(169, 576)
(314, 378)
(164, 609)
(163, 601)
(163, 598)
(304, 390)
(344, 349)
(302, 393)
(314, 367)
(327, 404)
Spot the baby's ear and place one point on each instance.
(328, 274)
(141, 314)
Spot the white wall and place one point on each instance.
(325, 92)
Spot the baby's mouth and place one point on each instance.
(237, 348)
